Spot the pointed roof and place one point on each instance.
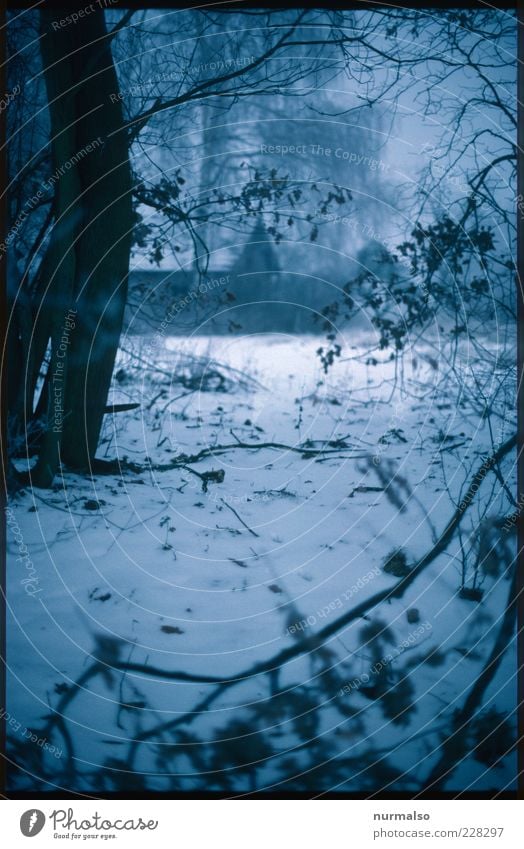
(259, 252)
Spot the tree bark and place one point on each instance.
(86, 265)
(104, 245)
(57, 281)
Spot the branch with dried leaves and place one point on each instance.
(456, 747)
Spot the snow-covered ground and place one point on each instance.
(167, 569)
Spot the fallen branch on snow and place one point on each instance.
(181, 461)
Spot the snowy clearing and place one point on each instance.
(213, 568)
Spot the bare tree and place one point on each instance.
(82, 246)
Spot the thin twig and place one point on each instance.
(251, 531)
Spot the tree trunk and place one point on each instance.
(88, 261)
(57, 280)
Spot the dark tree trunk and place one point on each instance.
(57, 280)
(87, 262)
(104, 244)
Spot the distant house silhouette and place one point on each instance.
(254, 294)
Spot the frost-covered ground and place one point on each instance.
(171, 570)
